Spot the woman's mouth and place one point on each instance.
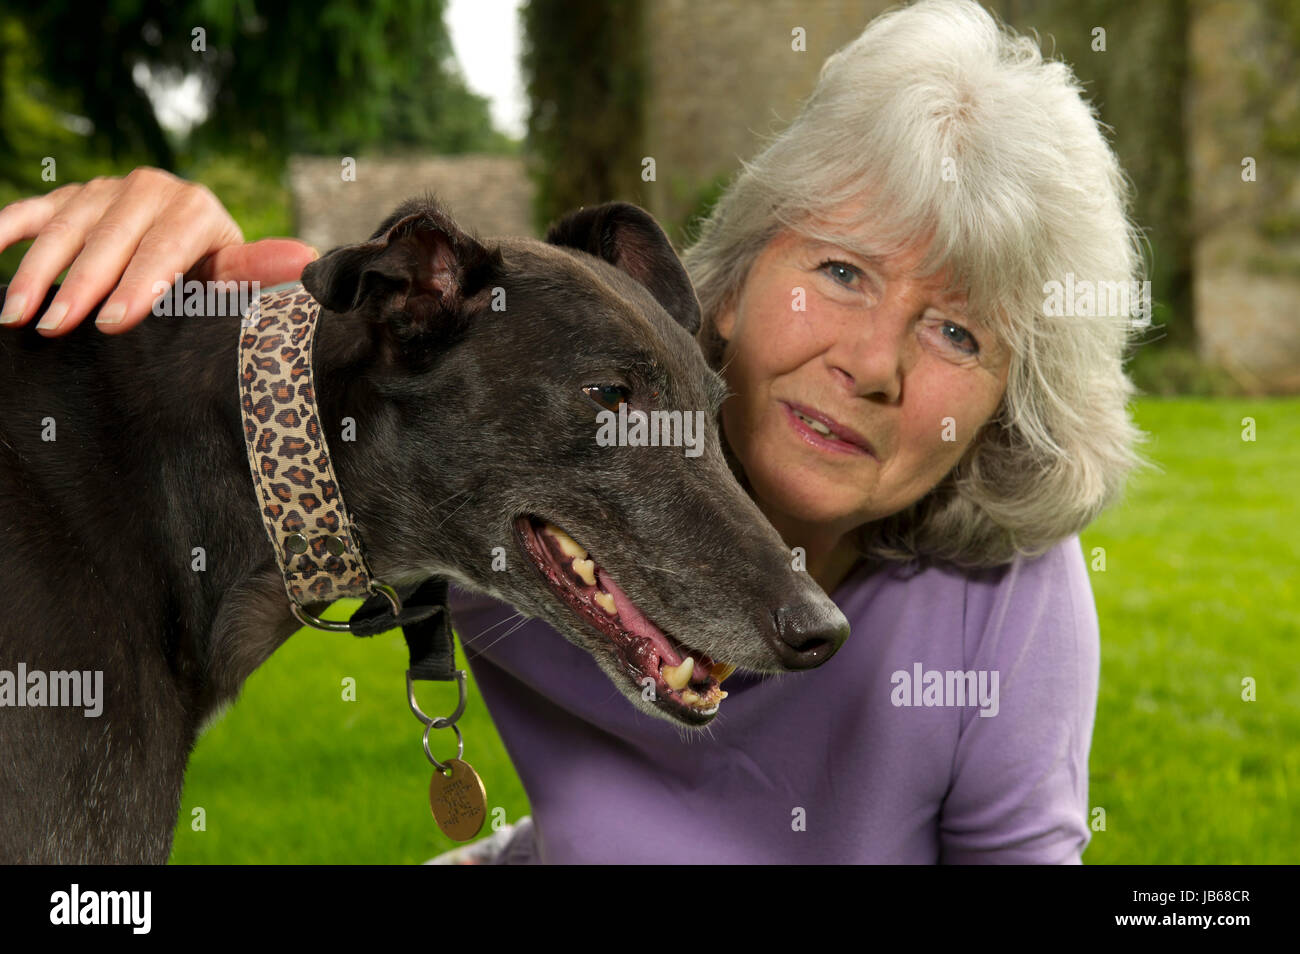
(823, 433)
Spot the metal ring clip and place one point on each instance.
(460, 745)
(343, 626)
(440, 723)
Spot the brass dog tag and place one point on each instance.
(459, 801)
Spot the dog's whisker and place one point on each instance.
(454, 512)
(500, 622)
(522, 622)
(452, 497)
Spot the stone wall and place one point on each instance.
(722, 76)
(1243, 107)
(487, 194)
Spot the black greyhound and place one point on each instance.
(475, 374)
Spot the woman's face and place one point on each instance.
(875, 351)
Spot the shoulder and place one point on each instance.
(1031, 619)
(1019, 787)
(1045, 600)
(1023, 595)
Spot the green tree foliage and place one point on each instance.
(333, 76)
(584, 63)
(1137, 81)
(32, 122)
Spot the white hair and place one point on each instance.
(938, 122)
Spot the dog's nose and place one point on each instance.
(807, 634)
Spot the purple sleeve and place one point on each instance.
(1019, 791)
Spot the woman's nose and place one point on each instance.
(871, 356)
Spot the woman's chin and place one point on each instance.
(810, 498)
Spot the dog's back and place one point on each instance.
(102, 442)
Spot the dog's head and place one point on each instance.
(536, 421)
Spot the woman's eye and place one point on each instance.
(961, 339)
(843, 273)
(608, 396)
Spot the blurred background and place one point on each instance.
(314, 120)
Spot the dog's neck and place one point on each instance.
(150, 472)
(236, 612)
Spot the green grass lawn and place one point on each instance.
(1201, 590)
(1198, 593)
(296, 774)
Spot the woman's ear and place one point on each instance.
(724, 324)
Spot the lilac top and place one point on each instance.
(857, 761)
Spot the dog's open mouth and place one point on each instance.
(686, 680)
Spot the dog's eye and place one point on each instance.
(608, 396)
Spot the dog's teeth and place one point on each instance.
(679, 676)
(721, 671)
(606, 602)
(690, 698)
(568, 546)
(585, 569)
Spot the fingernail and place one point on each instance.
(112, 315)
(54, 317)
(14, 305)
(315, 252)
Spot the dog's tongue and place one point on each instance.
(634, 621)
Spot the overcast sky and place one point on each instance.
(485, 34)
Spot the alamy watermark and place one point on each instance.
(656, 429)
(77, 907)
(78, 689)
(182, 299)
(1084, 298)
(948, 688)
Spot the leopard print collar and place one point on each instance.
(314, 538)
(316, 542)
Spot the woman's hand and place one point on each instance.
(121, 236)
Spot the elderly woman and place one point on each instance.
(904, 408)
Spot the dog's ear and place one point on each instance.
(415, 273)
(630, 239)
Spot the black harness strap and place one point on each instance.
(425, 621)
